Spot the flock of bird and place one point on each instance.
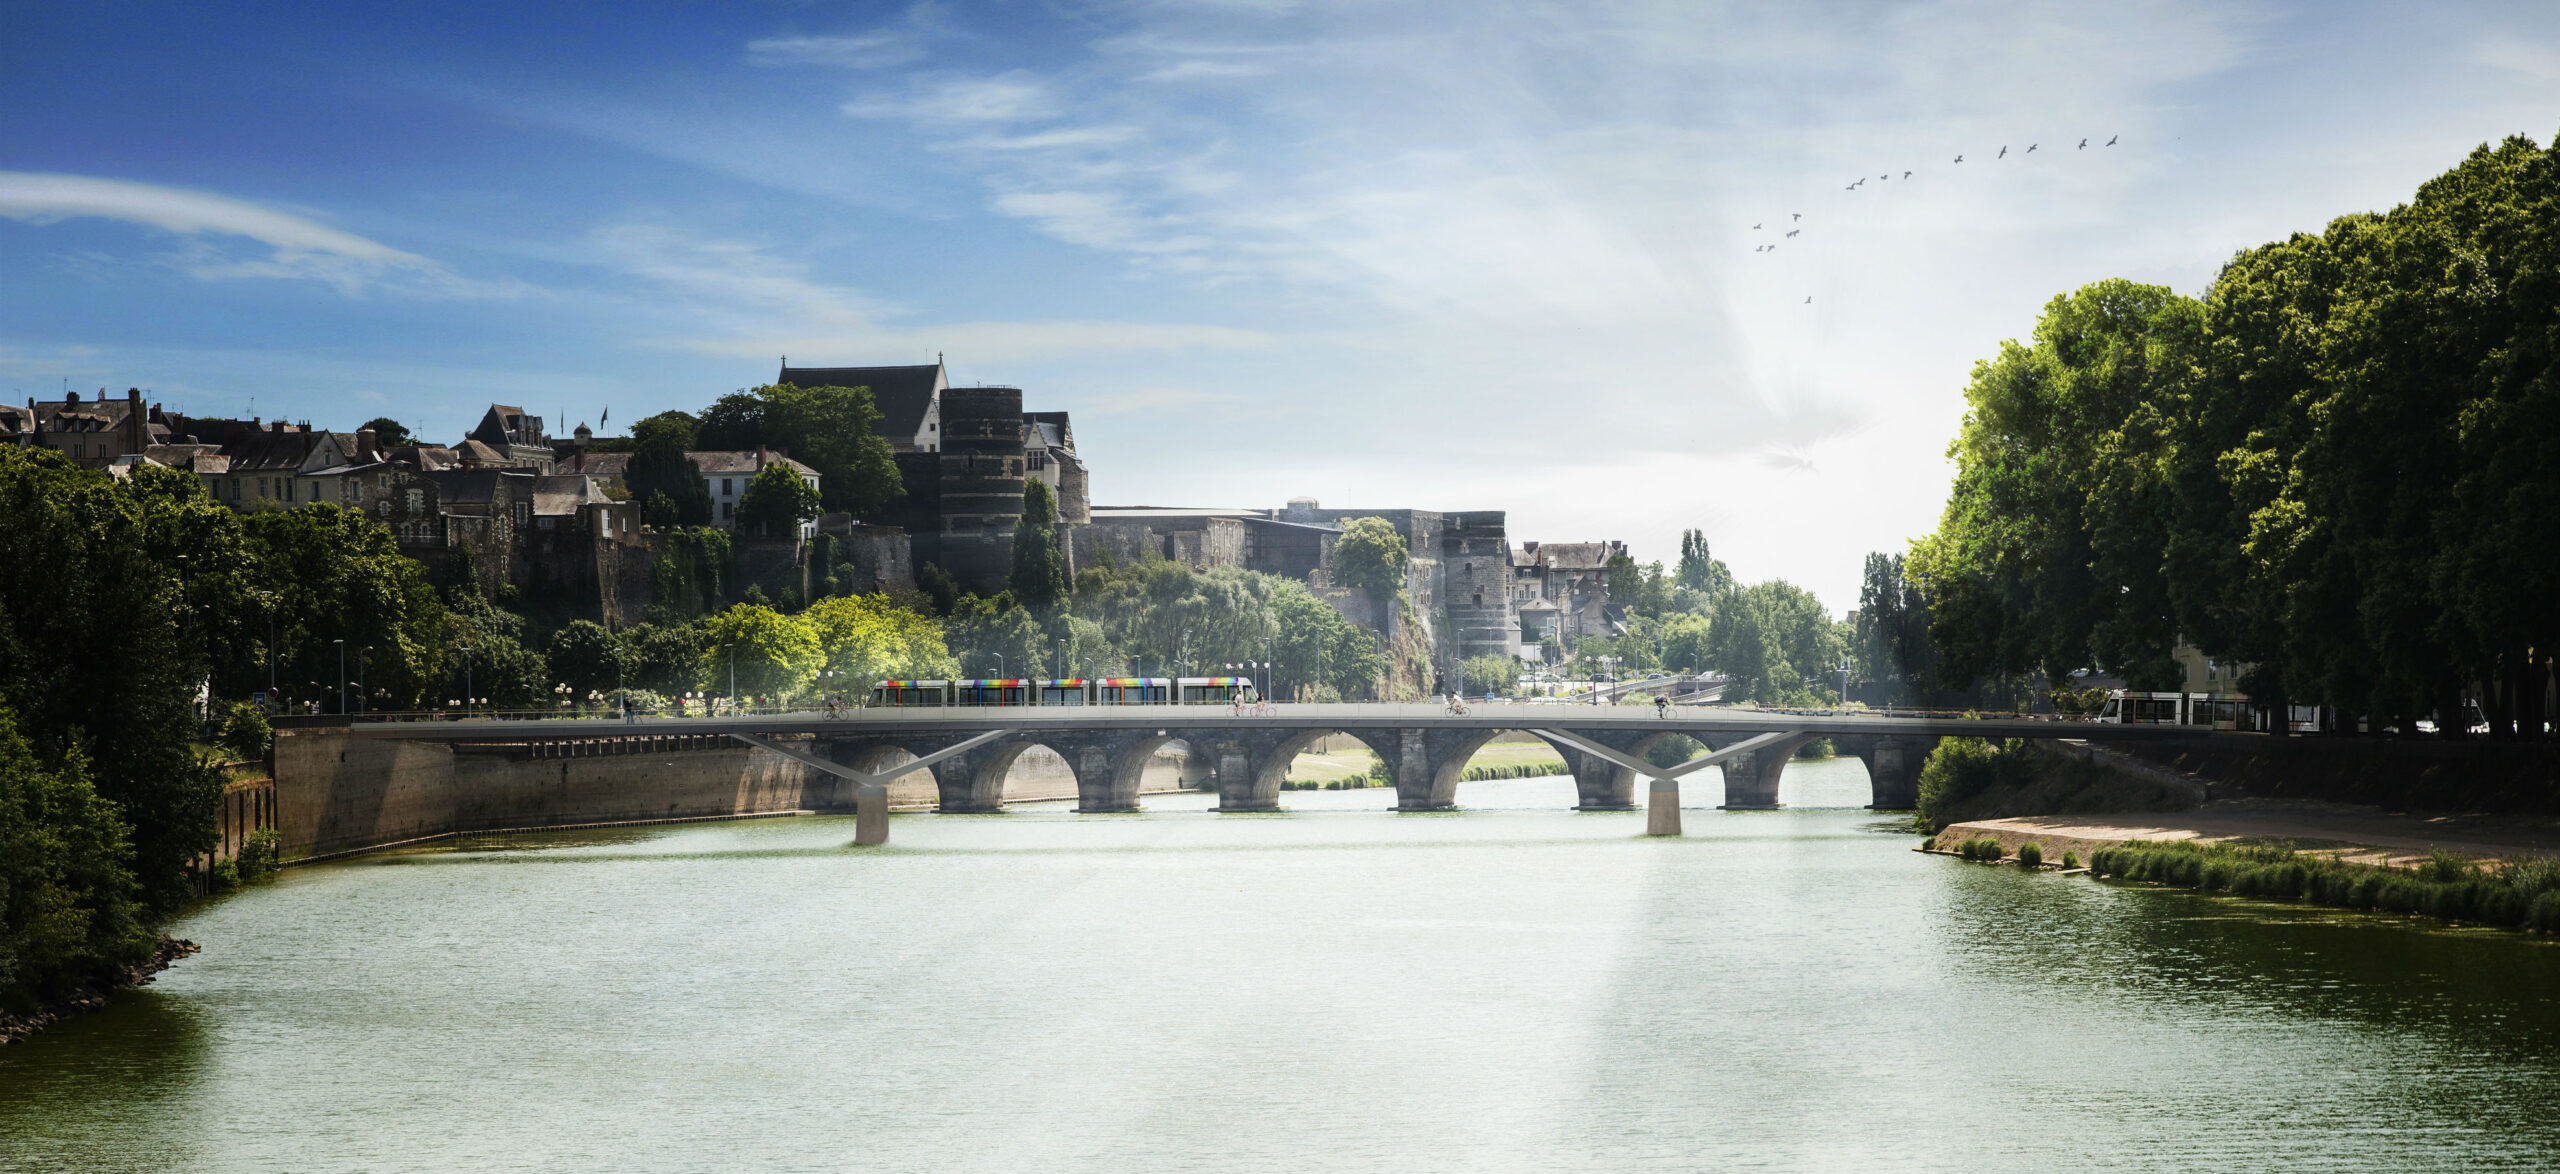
(1861, 181)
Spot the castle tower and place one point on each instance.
(981, 484)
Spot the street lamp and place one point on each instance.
(733, 678)
(362, 659)
(342, 676)
(999, 664)
(466, 678)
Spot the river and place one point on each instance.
(1511, 987)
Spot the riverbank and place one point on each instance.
(93, 995)
(2356, 834)
(2496, 871)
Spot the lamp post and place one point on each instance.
(362, 659)
(466, 679)
(999, 664)
(621, 697)
(342, 676)
(733, 678)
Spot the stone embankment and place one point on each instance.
(94, 995)
(2360, 835)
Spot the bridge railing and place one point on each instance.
(1528, 711)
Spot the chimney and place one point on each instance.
(364, 445)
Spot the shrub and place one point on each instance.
(1982, 848)
(244, 731)
(2071, 860)
(258, 854)
(2031, 854)
(2544, 914)
(2444, 867)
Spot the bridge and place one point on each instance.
(1425, 747)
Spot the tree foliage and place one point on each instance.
(834, 430)
(775, 655)
(2338, 466)
(1039, 576)
(1371, 555)
(68, 899)
(777, 500)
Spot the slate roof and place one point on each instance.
(471, 486)
(742, 461)
(599, 464)
(273, 452)
(903, 394)
(1567, 556)
(557, 494)
(474, 451)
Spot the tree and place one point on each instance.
(388, 433)
(93, 662)
(777, 500)
(1484, 675)
(1771, 641)
(1039, 576)
(1700, 571)
(662, 658)
(775, 655)
(587, 658)
(68, 907)
(1684, 642)
(1371, 555)
(332, 575)
(869, 638)
(660, 468)
(833, 430)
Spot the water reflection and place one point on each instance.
(1338, 987)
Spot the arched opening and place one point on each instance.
(1035, 772)
(1832, 775)
(916, 788)
(1601, 785)
(1355, 773)
(1516, 770)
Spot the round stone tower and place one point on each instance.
(982, 473)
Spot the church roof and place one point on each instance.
(903, 394)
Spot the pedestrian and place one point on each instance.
(1661, 706)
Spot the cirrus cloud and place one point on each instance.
(299, 247)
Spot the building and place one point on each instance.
(507, 437)
(964, 456)
(1560, 591)
(92, 432)
(726, 474)
(909, 398)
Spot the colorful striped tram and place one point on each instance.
(1027, 691)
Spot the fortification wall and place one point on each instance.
(336, 794)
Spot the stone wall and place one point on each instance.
(335, 793)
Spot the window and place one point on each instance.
(262, 487)
(728, 509)
(1479, 599)
(383, 507)
(724, 487)
(417, 501)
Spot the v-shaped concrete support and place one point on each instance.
(1662, 797)
(870, 791)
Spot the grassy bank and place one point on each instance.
(2517, 894)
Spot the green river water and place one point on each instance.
(1512, 987)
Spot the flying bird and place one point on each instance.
(1907, 175)
(1808, 301)
(1795, 216)
(2031, 149)
(1793, 231)
(2004, 152)
(2111, 140)
(1755, 228)
(1959, 158)
(2084, 145)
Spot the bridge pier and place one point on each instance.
(1751, 778)
(1893, 771)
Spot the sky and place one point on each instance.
(1443, 256)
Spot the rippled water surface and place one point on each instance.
(1513, 987)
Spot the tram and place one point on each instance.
(1032, 691)
(2216, 711)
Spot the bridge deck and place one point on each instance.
(1493, 716)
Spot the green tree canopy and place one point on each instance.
(777, 500)
(388, 433)
(834, 430)
(1039, 576)
(866, 639)
(1371, 555)
(776, 655)
(659, 469)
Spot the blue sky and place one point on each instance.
(1457, 256)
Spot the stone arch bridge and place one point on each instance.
(1425, 747)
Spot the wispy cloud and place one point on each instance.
(745, 299)
(299, 248)
(863, 51)
(1151, 399)
(1010, 97)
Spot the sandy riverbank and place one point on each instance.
(2365, 835)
